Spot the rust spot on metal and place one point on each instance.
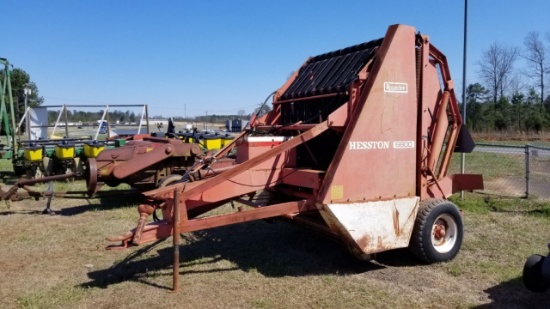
(369, 246)
(396, 222)
(412, 214)
(363, 242)
(379, 243)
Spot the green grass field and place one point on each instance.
(60, 261)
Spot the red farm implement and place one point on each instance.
(358, 146)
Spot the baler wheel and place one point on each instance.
(18, 170)
(165, 182)
(532, 274)
(91, 176)
(438, 231)
(33, 172)
(170, 180)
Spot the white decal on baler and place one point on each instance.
(369, 145)
(372, 145)
(395, 87)
(403, 144)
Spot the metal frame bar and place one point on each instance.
(144, 233)
(165, 193)
(157, 230)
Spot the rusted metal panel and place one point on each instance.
(374, 226)
(143, 161)
(430, 94)
(152, 156)
(306, 178)
(441, 122)
(164, 193)
(252, 146)
(454, 183)
(247, 181)
(378, 149)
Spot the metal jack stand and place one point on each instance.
(49, 196)
(176, 242)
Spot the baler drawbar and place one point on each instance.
(357, 146)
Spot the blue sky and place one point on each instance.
(219, 57)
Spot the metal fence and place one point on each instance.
(510, 171)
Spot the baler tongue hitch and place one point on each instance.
(357, 146)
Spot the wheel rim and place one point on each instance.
(91, 176)
(444, 233)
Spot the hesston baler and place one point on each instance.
(357, 145)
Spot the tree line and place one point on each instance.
(508, 98)
(19, 81)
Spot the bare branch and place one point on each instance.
(496, 67)
(537, 63)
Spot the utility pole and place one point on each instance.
(205, 117)
(463, 155)
(26, 92)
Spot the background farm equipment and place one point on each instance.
(357, 146)
(141, 163)
(47, 157)
(6, 101)
(43, 152)
(155, 161)
(144, 162)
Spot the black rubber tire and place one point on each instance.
(31, 172)
(170, 180)
(19, 170)
(532, 274)
(167, 181)
(422, 243)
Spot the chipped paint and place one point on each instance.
(374, 226)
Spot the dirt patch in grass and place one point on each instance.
(514, 186)
(59, 262)
(507, 186)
